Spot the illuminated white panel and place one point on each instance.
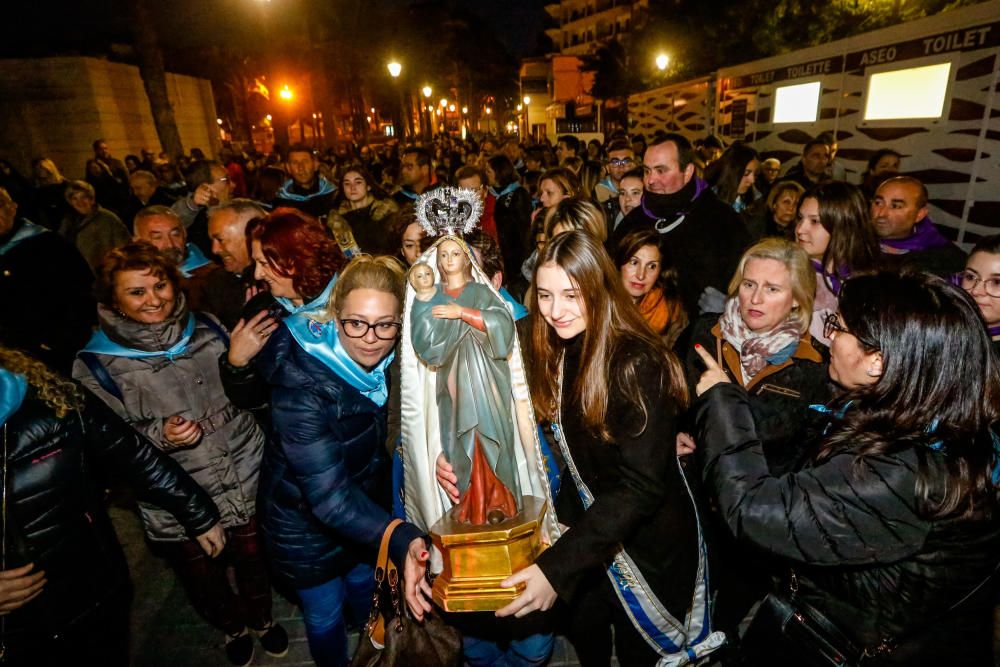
(917, 92)
(796, 104)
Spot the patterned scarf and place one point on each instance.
(756, 350)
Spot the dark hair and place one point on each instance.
(571, 142)
(375, 189)
(503, 168)
(490, 258)
(685, 152)
(990, 244)
(135, 256)
(634, 173)
(468, 171)
(97, 142)
(298, 247)
(201, 173)
(844, 214)
(878, 155)
(619, 145)
(300, 148)
(940, 383)
(615, 329)
(632, 242)
(727, 172)
(812, 143)
(423, 157)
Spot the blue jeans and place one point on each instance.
(322, 611)
(524, 652)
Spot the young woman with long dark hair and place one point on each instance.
(892, 530)
(613, 391)
(981, 279)
(833, 227)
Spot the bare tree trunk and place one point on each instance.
(154, 77)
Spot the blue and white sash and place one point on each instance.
(676, 642)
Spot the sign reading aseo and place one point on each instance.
(978, 37)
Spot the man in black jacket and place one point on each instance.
(306, 190)
(705, 236)
(45, 304)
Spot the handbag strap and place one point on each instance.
(375, 627)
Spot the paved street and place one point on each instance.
(167, 633)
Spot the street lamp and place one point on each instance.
(662, 61)
(394, 69)
(428, 91)
(527, 123)
(286, 93)
(444, 101)
(527, 100)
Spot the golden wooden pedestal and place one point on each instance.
(478, 558)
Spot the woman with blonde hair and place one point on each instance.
(324, 475)
(762, 341)
(570, 214)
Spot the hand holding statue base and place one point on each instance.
(478, 558)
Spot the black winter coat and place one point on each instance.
(863, 552)
(324, 482)
(55, 512)
(513, 218)
(640, 497)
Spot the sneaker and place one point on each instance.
(239, 649)
(274, 640)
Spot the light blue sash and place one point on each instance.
(99, 343)
(320, 341)
(506, 191)
(195, 260)
(677, 643)
(13, 388)
(27, 231)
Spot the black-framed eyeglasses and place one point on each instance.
(359, 329)
(969, 279)
(620, 162)
(831, 325)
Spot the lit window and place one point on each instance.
(796, 104)
(917, 92)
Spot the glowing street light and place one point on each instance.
(286, 93)
(527, 100)
(520, 106)
(451, 108)
(662, 61)
(465, 109)
(427, 91)
(444, 101)
(394, 69)
(489, 110)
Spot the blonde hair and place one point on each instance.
(577, 214)
(801, 272)
(57, 392)
(382, 273)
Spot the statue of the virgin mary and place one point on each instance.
(463, 386)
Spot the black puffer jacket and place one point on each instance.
(55, 515)
(863, 552)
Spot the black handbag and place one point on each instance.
(396, 640)
(787, 630)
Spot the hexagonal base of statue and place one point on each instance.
(478, 558)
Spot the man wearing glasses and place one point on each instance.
(621, 159)
(210, 186)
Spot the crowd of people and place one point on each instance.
(762, 371)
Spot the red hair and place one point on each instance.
(297, 246)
